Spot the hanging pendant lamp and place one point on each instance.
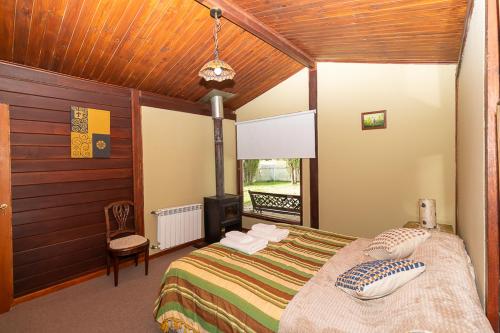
(216, 70)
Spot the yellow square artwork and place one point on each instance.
(90, 133)
(81, 145)
(99, 121)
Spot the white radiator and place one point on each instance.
(178, 225)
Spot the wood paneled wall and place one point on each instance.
(58, 218)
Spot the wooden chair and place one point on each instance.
(121, 236)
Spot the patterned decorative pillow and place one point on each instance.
(396, 243)
(378, 278)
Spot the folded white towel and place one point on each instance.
(239, 236)
(250, 248)
(274, 236)
(264, 227)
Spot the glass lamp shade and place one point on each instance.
(217, 70)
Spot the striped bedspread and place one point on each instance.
(217, 289)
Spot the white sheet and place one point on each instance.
(442, 299)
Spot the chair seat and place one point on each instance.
(127, 242)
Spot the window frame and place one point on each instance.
(239, 171)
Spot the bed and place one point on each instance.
(289, 287)
(219, 289)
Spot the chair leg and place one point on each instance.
(116, 268)
(108, 264)
(136, 260)
(146, 260)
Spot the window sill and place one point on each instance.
(271, 218)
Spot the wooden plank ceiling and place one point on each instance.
(154, 45)
(407, 31)
(159, 45)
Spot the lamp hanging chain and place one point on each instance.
(217, 28)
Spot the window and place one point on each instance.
(271, 185)
(272, 189)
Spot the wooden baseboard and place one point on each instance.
(92, 275)
(57, 287)
(175, 248)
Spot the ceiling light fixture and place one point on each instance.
(216, 70)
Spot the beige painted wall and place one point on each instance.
(363, 190)
(471, 203)
(370, 181)
(179, 162)
(291, 95)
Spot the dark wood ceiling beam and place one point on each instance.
(250, 23)
(470, 6)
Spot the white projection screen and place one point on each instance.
(286, 136)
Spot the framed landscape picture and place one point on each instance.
(373, 120)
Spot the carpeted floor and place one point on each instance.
(96, 305)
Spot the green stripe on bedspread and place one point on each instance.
(218, 289)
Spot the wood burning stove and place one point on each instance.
(222, 214)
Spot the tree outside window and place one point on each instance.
(279, 180)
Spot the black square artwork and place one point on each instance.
(101, 146)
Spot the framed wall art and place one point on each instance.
(374, 120)
(90, 133)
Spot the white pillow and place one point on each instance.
(396, 243)
(378, 278)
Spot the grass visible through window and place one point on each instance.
(276, 176)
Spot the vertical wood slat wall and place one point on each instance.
(58, 218)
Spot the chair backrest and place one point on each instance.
(116, 224)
